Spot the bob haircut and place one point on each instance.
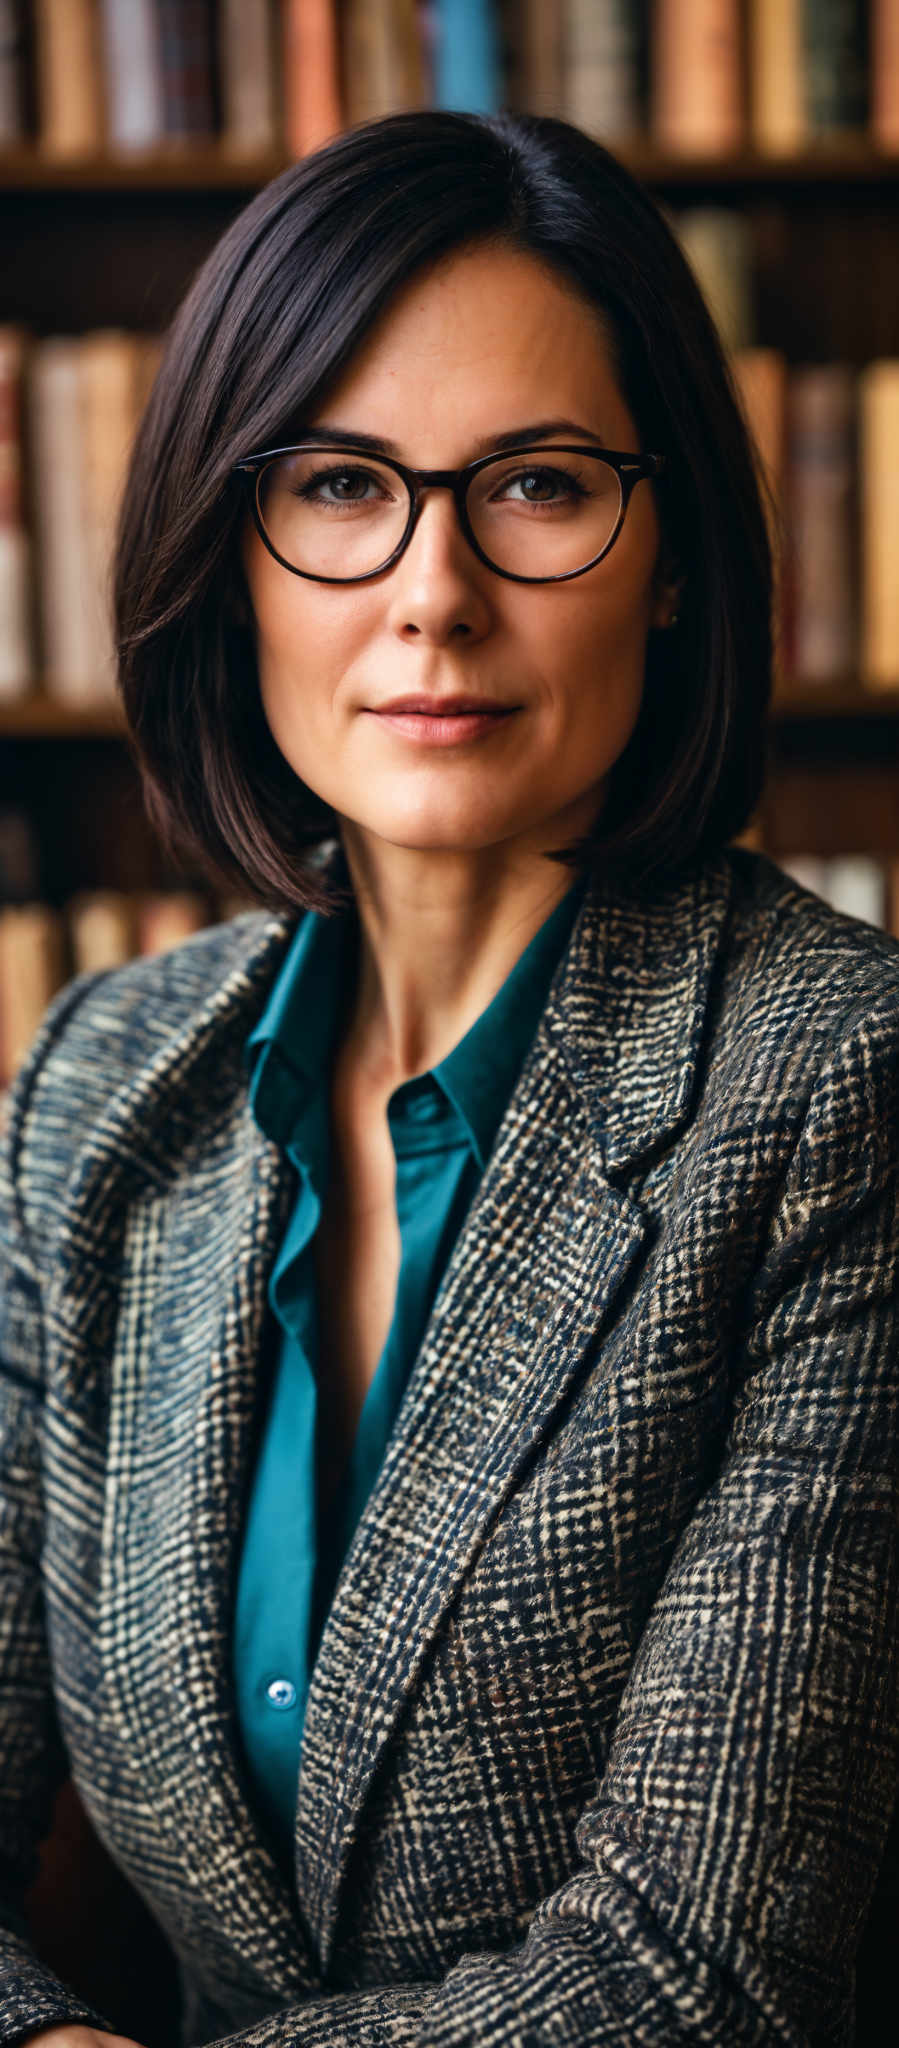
(271, 318)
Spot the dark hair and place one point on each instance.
(272, 316)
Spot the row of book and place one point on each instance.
(827, 437)
(80, 77)
(41, 947)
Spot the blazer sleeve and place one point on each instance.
(730, 1854)
(32, 1755)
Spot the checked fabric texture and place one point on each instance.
(602, 1741)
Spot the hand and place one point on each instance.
(77, 2037)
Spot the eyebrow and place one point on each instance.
(515, 437)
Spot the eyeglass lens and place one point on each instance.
(342, 516)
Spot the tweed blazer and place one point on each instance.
(603, 1733)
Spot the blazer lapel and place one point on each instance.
(529, 1292)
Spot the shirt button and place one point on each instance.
(280, 1693)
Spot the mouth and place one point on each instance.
(444, 721)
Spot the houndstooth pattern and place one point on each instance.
(602, 1738)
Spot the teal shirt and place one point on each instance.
(443, 1124)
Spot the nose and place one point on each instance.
(437, 589)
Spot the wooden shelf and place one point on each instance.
(44, 717)
(834, 701)
(846, 161)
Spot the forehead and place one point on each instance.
(484, 330)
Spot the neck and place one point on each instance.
(439, 933)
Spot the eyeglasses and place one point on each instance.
(340, 515)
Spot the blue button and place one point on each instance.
(280, 1693)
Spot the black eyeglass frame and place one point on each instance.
(630, 469)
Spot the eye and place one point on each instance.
(544, 485)
(349, 485)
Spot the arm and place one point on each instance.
(32, 1757)
(731, 1852)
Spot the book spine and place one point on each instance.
(602, 68)
(823, 524)
(164, 918)
(835, 63)
(16, 650)
(61, 546)
(133, 74)
(69, 110)
(32, 969)
(776, 80)
(856, 884)
(879, 473)
(466, 58)
(542, 34)
(107, 377)
(185, 42)
(13, 123)
(101, 929)
(312, 109)
(247, 72)
(698, 85)
(716, 243)
(885, 74)
(761, 375)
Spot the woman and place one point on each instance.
(450, 1343)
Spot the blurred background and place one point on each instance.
(131, 132)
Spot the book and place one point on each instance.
(776, 76)
(13, 122)
(856, 884)
(538, 33)
(32, 969)
(250, 114)
(70, 114)
(878, 400)
(697, 101)
(162, 918)
(383, 68)
(835, 65)
(101, 929)
(16, 639)
(312, 105)
(107, 373)
(716, 241)
(823, 522)
(59, 535)
(184, 30)
(602, 68)
(466, 56)
(884, 106)
(132, 71)
(19, 855)
(761, 377)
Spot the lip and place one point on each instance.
(444, 707)
(444, 721)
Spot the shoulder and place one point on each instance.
(788, 952)
(109, 1033)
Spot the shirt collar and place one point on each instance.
(289, 1051)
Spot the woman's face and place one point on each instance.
(485, 343)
